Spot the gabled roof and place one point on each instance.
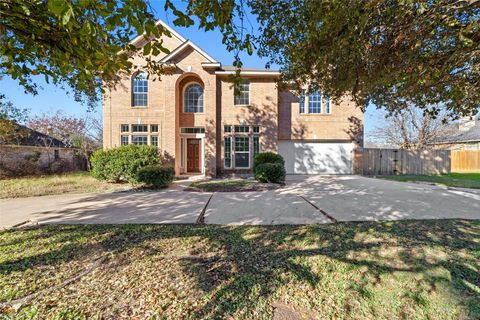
(210, 62)
(182, 47)
(164, 25)
(28, 137)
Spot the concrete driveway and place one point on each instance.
(304, 200)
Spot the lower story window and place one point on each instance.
(140, 140)
(256, 145)
(242, 152)
(154, 141)
(228, 152)
(124, 140)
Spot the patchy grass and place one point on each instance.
(462, 180)
(79, 182)
(388, 270)
(231, 185)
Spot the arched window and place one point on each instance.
(140, 90)
(193, 98)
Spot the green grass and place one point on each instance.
(388, 270)
(462, 180)
(54, 184)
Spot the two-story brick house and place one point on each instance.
(193, 116)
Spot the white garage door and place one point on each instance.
(316, 157)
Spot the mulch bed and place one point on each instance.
(254, 186)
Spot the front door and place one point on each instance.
(193, 155)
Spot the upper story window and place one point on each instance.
(140, 90)
(243, 97)
(193, 98)
(315, 102)
(327, 104)
(301, 102)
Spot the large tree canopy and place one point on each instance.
(74, 43)
(389, 52)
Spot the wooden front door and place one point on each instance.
(193, 155)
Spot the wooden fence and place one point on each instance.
(465, 160)
(398, 161)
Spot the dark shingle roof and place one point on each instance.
(471, 135)
(30, 137)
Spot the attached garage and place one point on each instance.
(317, 157)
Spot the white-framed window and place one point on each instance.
(124, 128)
(243, 97)
(154, 141)
(139, 140)
(139, 128)
(227, 145)
(192, 130)
(193, 98)
(242, 151)
(242, 129)
(140, 90)
(327, 104)
(123, 140)
(256, 145)
(301, 102)
(154, 128)
(241, 144)
(315, 102)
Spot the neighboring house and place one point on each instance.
(29, 152)
(465, 137)
(193, 116)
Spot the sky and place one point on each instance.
(51, 98)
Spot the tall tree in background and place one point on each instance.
(412, 128)
(391, 53)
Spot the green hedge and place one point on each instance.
(156, 176)
(267, 157)
(122, 163)
(270, 172)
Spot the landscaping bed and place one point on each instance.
(387, 270)
(231, 185)
(460, 180)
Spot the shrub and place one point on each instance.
(267, 157)
(123, 163)
(270, 172)
(156, 176)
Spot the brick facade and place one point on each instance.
(276, 113)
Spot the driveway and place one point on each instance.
(304, 200)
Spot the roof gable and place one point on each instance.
(182, 47)
(174, 33)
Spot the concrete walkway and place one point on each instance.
(304, 200)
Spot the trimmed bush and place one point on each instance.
(267, 157)
(123, 163)
(156, 176)
(270, 172)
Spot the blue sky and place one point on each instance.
(51, 98)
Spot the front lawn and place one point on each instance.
(231, 185)
(79, 182)
(462, 180)
(388, 270)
